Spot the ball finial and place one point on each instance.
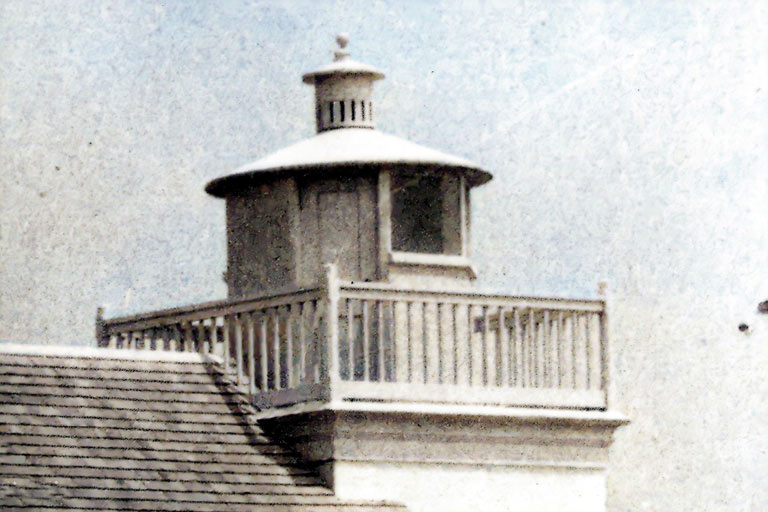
(342, 40)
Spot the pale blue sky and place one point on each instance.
(627, 139)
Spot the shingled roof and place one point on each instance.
(92, 431)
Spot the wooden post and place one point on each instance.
(331, 347)
(239, 349)
(604, 355)
(251, 354)
(225, 334)
(101, 338)
(503, 337)
(384, 218)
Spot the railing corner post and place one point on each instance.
(331, 375)
(605, 356)
(101, 338)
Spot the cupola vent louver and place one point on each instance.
(343, 91)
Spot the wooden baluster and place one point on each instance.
(350, 343)
(263, 353)
(201, 336)
(164, 339)
(251, 334)
(559, 353)
(431, 343)
(604, 366)
(546, 342)
(416, 368)
(579, 353)
(319, 363)
(188, 342)
(173, 338)
(519, 374)
(401, 328)
(489, 347)
(237, 327)
(380, 310)
(585, 355)
(593, 335)
(524, 358)
(503, 336)
(213, 335)
(463, 330)
(541, 349)
(289, 370)
(174, 341)
(277, 369)
(447, 343)
(570, 351)
(477, 357)
(303, 320)
(227, 324)
(366, 314)
(531, 348)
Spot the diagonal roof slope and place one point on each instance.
(91, 432)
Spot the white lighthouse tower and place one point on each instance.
(353, 324)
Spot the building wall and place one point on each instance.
(458, 488)
(261, 248)
(338, 225)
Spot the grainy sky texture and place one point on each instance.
(629, 143)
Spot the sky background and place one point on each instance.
(628, 140)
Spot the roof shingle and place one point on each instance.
(90, 433)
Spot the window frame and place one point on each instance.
(388, 256)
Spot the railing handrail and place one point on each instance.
(345, 340)
(418, 294)
(162, 317)
(205, 310)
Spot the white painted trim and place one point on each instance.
(520, 414)
(426, 259)
(419, 259)
(85, 352)
(591, 466)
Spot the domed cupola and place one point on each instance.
(380, 207)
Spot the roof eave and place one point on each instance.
(221, 186)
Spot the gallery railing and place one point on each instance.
(379, 343)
